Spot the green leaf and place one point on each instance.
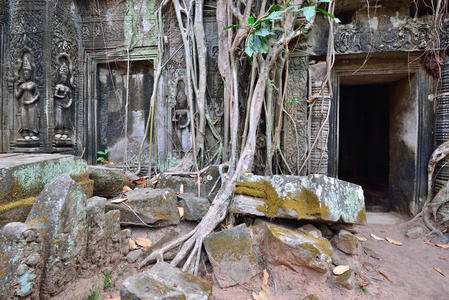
(324, 1)
(251, 20)
(101, 153)
(309, 12)
(276, 15)
(263, 32)
(100, 159)
(264, 45)
(106, 151)
(249, 51)
(337, 20)
(235, 26)
(273, 8)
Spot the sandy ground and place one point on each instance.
(410, 268)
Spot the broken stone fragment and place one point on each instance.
(311, 297)
(310, 230)
(21, 261)
(164, 281)
(133, 255)
(231, 255)
(414, 233)
(296, 250)
(190, 184)
(153, 206)
(112, 236)
(346, 280)
(313, 197)
(59, 214)
(95, 239)
(195, 208)
(347, 242)
(108, 182)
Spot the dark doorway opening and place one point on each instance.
(364, 125)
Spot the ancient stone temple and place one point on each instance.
(77, 77)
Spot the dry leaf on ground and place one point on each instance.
(376, 237)
(127, 189)
(442, 246)
(265, 277)
(120, 200)
(260, 296)
(181, 211)
(439, 270)
(132, 244)
(361, 238)
(143, 242)
(338, 270)
(394, 242)
(385, 275)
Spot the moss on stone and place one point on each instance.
(16, 211)
(344, 277)
(88, 187)
(306, 204)
(361, 216)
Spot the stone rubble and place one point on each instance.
(195, 208)
(347, 242)
(231, 255)
(108, 182)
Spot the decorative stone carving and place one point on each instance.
(181, 119)
(63, 99)
(27, 94)
(408, 36)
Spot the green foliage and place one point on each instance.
(107, 279)
(291, 101)
(94, 296)
(363, 289)
(102, 155)
(261, 30)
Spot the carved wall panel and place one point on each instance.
(407, 35)
(294, 139)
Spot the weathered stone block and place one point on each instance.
(414, 233)
(195, 208)
(108, 182)
(25, 175)
(59, 214)
(164, 281)
(153, 206)
(16, 211)
(190, 185)
(313, 197)
(231, 255)
(296, 250)
(96, 225)
(21, 261)
(347, 242)
(112, 236)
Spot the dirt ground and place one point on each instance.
(411, 268)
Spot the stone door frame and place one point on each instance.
(405, 64)
(88, 113)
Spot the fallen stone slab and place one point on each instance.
(313, 197)
(157, 207)
(347, 242)
(414, 233)
(195, 208)
(164, 281)
(231, 255)
(190, 184)
(108, 182)
(59, 214)
(23, 176)
(95, 252)
(21, 261)
(296, 250)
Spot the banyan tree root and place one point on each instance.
(432, 205)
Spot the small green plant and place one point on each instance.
(291, 101)
(363, 289)
(102, 155)
(94, 296)
(107, 279)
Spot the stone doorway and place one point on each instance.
(111, 111)
(381, 131)
(364, 141)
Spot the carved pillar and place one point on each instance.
(42, 57)
(294, 139)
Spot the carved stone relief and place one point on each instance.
(63, 98)
(27, 94)
(409, 36)
(181, 118)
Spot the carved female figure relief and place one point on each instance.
(63, 100)
(181, 118)
(27, 94)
